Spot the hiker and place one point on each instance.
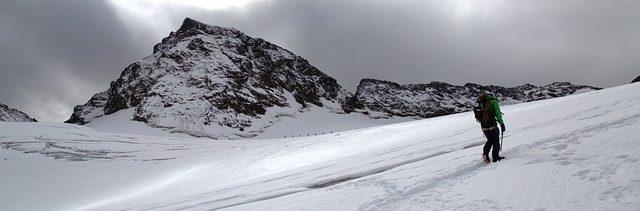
(487, 113)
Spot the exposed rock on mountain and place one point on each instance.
(214, 81)
(636, 80)
(13, 115)
(437, 98)
(218, 82)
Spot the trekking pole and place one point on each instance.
(501, 138)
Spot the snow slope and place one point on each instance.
(579, 152)
(309, 121)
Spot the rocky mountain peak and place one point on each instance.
(8, 114)
(189, 23)
(213, 81)
(636, 80)
(191, 28)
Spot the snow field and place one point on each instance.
(574, 153)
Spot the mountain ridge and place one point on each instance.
(439, 98)
(8, 114)
(218, 82)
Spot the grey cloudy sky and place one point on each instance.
(57, 54)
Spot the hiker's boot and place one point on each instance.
(486, 159)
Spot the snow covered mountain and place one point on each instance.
(216, 82)
(437, 98)
(210, 81)
(579, 152)
(13, 115)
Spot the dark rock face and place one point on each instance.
(437, 98)
(83, 114)
(636, 80)
(13, 115)
(201, 76)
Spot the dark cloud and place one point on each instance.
(488, 42)
(61, 52)
(56, 54)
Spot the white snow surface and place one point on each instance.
(579, 152)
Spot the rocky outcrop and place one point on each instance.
(94, 108)
(636, 80)
(438, 98)
(13, 115)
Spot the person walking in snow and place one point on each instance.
(487, 113)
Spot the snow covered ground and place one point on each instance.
(579, 152)
(313, 121)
